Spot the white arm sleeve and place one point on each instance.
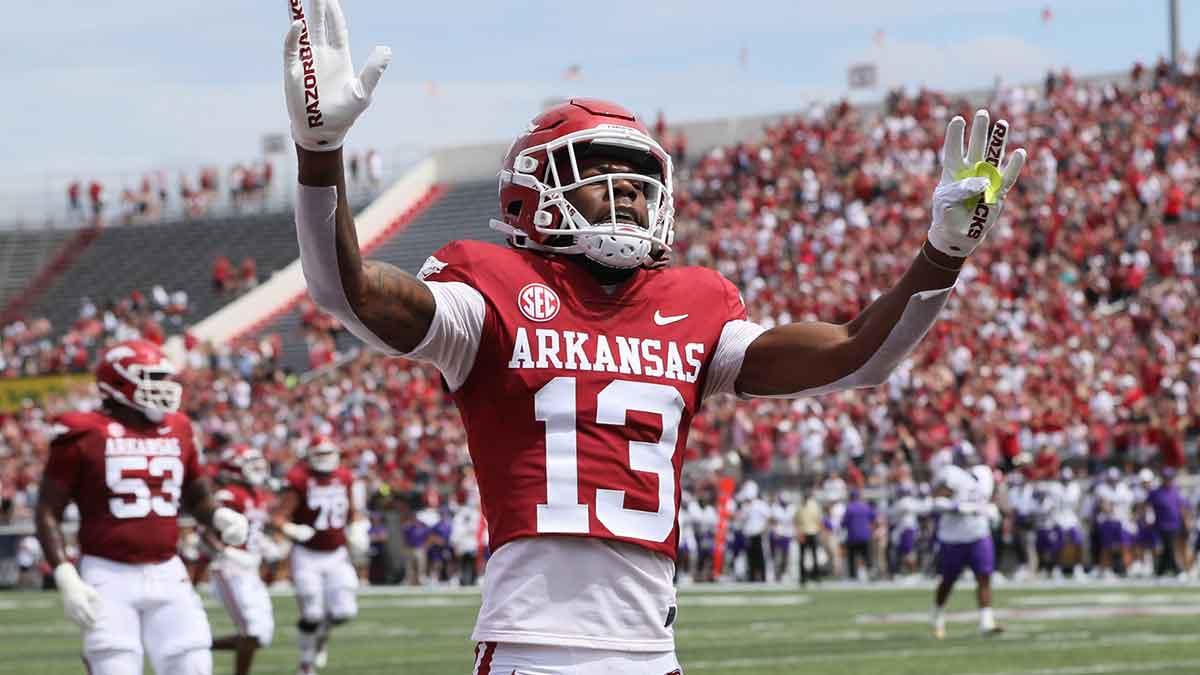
(919, 316)
(726, 361)
(457, 326)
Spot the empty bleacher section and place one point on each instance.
(179, 256)
(462, 212)
(23, 255)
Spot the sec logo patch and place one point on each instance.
(538, 302)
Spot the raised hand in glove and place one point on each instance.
(324, 95)
(966, 206)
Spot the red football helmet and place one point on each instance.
(244, 464)
(535, 211)
(136, 374)
(322, 455)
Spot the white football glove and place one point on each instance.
(993, 514)
(232, 526)
(239, 559)
(297, 532)
(81, 602)
(324, 96)
(358, 536)
(957, 228)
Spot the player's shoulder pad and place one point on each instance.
(297, 475)
(708, 286)
(459, 260)
(178, 420)
(72, 424)
(475, 263)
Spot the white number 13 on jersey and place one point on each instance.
(562, 513)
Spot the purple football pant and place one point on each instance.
(906, 542)
(1072, 535)
(979, 555)
(1147, 536)
(1048, 542)
(1113, 535)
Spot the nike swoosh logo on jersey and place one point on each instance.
(661, 320)
(163, 431)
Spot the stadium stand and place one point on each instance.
(1096, 365)
(179, 256)
(25, 255)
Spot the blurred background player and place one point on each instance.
(962, 498)
(236, 579)
(316, 512)
(809, 517)
(903, 517)
(1048, 537)
(129, 467)
(1114, 521)
(1070, 527)
(858, 524)
(783, 531)
(1171, 523)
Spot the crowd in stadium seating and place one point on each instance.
(1076, 326)
(1073, 340)
(244, 186)
(31, 347)
(248, 185)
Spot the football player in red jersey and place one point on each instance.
(577, 359)
(129, 467)
(317, 513)
(236, 578)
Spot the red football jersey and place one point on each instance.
(324, 504)
(126, 481)
(251, 502)
(579, 401)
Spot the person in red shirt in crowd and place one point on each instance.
(130, 467)
(249, 273)
(221, 271)
(96, 196)
(316, 511)
(73, 191)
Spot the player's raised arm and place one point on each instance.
(379, 303)
(804, 359)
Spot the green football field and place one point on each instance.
(1052, 631)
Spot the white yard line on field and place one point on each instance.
(1102, 668)
(1049, 599)
(1038, 614)
(934, 650)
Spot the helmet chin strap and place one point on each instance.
(615, 250)
(611, 250)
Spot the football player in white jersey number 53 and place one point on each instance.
(578, 358)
